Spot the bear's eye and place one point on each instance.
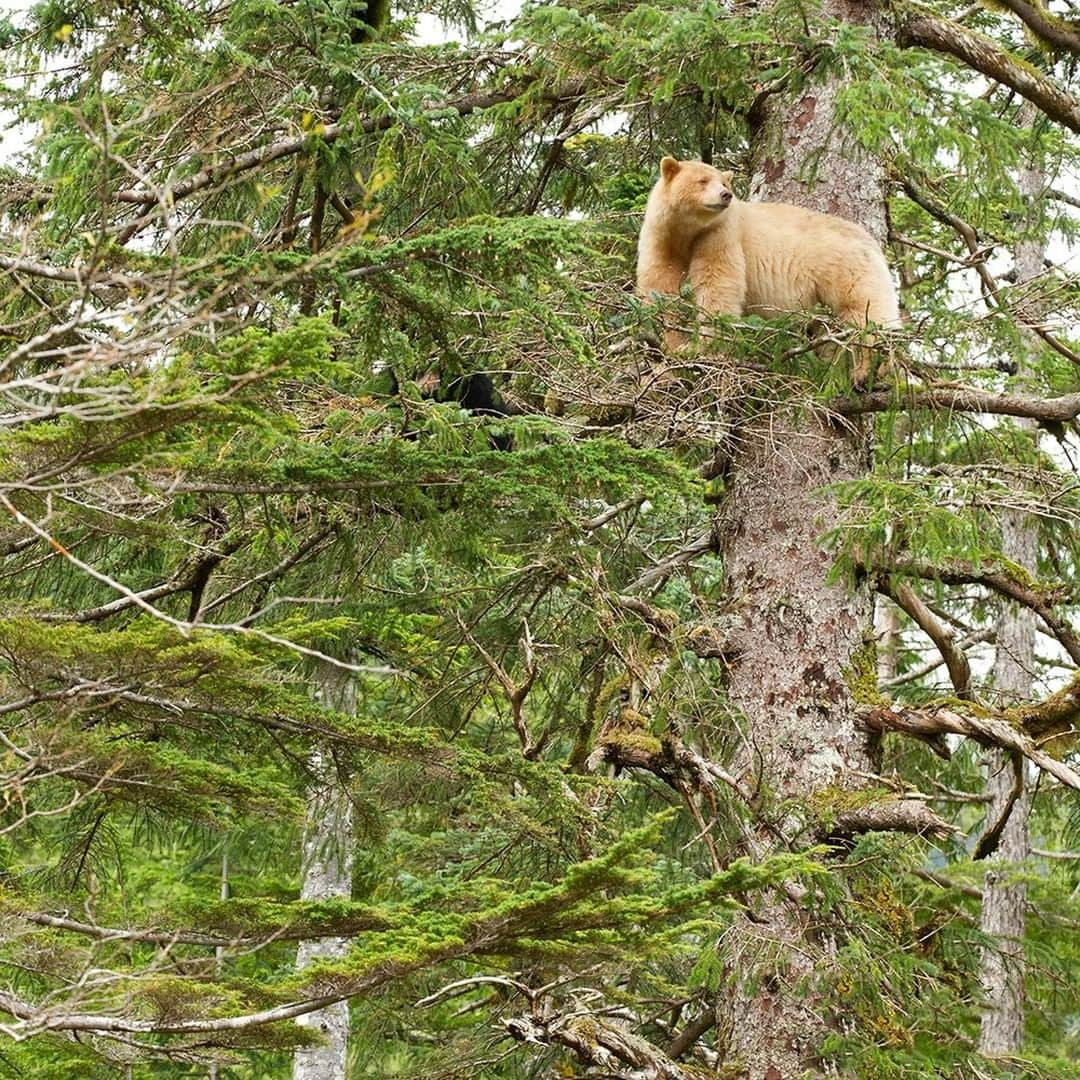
(702, 182)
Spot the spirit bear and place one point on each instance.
(757, 258)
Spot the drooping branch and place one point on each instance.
(988, 730)
(1040, 599)
(955, 659)
(983, 55)
(1055, 32)
(961, 399)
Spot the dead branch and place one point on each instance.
(598, 1042)
(515, 692)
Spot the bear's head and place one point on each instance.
(694, 191)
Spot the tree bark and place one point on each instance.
(327, 872)
(799, 636)
(1003, 905)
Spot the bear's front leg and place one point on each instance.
(718, 275)
(661, 274)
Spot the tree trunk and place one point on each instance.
(327, 872)
(800, 636)
(1002, 920)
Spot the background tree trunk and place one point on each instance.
(327, 872)
(1002, 916)
(799, 635)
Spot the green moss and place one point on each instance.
(828, 803)
(861, 674)
(635, 739)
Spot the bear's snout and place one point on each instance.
(722, 201)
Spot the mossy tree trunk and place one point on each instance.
(799, 635)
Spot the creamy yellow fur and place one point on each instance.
(756, 258)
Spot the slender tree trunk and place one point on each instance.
(327, 872)
(219, 952)
(800, 636)
(1002, 1026)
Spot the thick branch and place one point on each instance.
(962, 399)
(1054, 715)
(690, 1034)
(979, 52)
(892, 815)
(986, 730)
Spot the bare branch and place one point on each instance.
(515, 693)
(597, 1042)
(1039, 599)
(939, 634)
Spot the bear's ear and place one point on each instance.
(726, 178)
(668, 167)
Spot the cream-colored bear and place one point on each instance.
(757, 258)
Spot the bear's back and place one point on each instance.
(796, 258)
